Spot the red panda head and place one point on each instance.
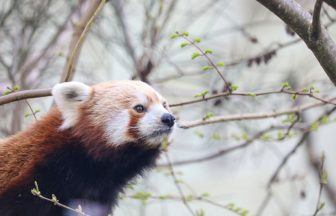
(126, 111)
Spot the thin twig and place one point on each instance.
(264, 203)
(69, 69)
(297, 119)
(285, 159)
(31, 109)
(304, 137)
(36, 93)
(315, 163)
(184, 200)
(250, 116)
(208, 59)
(319, 205)
(222, 152)
(36, 192)
(253, 94)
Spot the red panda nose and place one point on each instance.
(168, 119)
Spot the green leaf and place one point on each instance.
(324, 177)
(189, 198)
(208, 67)
(208, 115)
(200, 212)
(244, 212)
(197, 40)
(26, 114)
(293, 97)
(195, 55)
(216, 136)
(236, 137)
(184, 44)
(205, 194)
(208, 51)
(163, 197)
(251, 94)
(202, 94)
(54, 199)
(16, 88)
(174, 36)
(220, 64)
(280, 135)
(290, 118)
(325, 120)
(265, 137)
(245, 136)
(234, 87)
(286, 85)
(6, 92)
(314, 126)
(185, 34)
(164, 145)
(321, 205)
(36, 191)
(313, 89)
(305, 90)
(142, 195)
(199, 134)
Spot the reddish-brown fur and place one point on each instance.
(23, 152)
(20, 154)
(134, 119)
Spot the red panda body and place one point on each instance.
(75, 163)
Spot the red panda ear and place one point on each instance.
(68, 96)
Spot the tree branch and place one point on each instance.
(252, 94)
(286, 158)
(79, 35)
(298, 19)
(316, 23)
(250, 116)
(331, 3)
(21, 95)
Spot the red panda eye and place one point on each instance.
(139, 108)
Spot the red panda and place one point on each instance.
(86, 148)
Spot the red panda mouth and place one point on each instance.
(160, 132)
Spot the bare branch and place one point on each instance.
(251, 116)
(21, 95)
(252, 94)
(222, 152)
(79, 36)
(285, 159)
(176, 182)
(316, 23)
(314, 163)
(36, 192)
(331, 3)
(298, 19)
(319, 205)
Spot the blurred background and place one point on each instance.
(223, 168)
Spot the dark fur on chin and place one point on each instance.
(72, 174)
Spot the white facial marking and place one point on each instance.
(68, 97)
(117, 128)
(142, 98)
(151, 124)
